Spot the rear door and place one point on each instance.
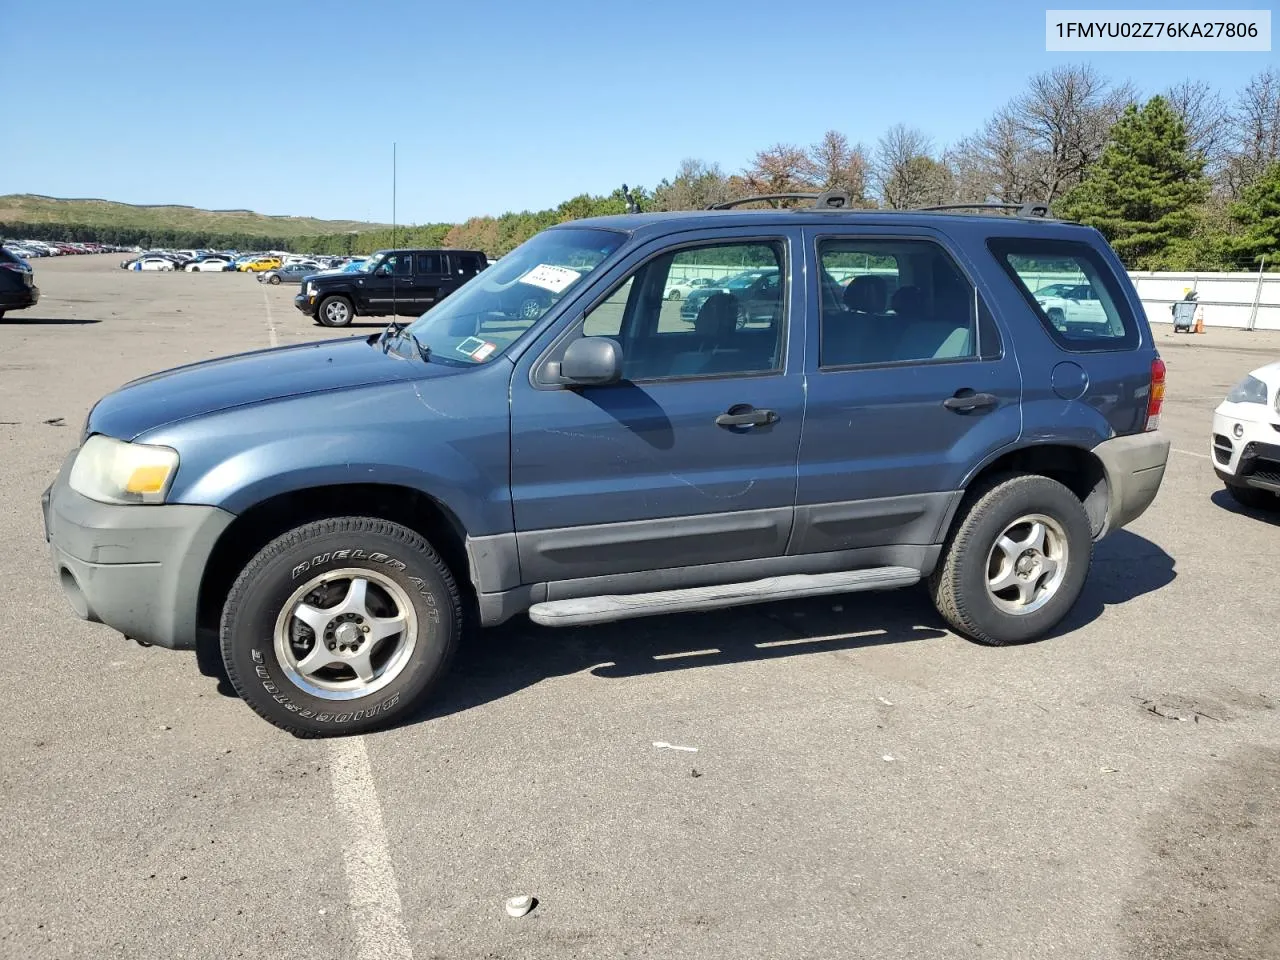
(430, 278)
(651, 473)
(910, 385)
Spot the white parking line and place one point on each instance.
(1190, 453)
(371, 882)
(271, 323)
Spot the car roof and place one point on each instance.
(644, 226)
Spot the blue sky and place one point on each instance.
(291, 108)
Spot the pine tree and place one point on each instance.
(1144, 191)
(1258, 213)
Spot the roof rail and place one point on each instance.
(826, 200)
(1032, 210)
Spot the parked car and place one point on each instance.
(346, 510)
(18, 289)
(682, 288)
(756, 292)
(260, 264)
(1071, 304)
(290, 271)
(391, 282)
(1246, 439)
(154, 263)
(208, 265)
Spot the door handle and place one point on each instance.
(747, 418)
(965, 401)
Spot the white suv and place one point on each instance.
(1246, 439)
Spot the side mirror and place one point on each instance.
(384, 270)
(592, 362)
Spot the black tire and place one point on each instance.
(1, 314)
(1056, 316)
(959, 585)
(1253, 498)
(337, 319)
(274, 278)
(289, 562)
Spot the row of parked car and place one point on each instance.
(34, 249)
(209, 261)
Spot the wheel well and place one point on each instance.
(1075, 468)
(262, 523)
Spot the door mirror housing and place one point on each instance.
(592, 362)
(384, 270)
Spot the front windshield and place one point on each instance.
(490, 311)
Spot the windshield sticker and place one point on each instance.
(469, 346)
(550, 277)
(482, 352)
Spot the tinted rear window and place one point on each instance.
(1072, 290)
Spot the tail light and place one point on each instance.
(1155, 399)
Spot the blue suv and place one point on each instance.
(334, 518)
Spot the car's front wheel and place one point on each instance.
(1253, 498)
(1015, 562)
(335, 312)
(341, 626)
(274, 278)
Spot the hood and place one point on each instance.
(249, 378)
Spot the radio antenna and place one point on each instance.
(395, 306)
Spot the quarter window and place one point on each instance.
(731, 322)
(893, 301)
(1073, 292)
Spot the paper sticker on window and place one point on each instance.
(469, 346)
(550, 277)
(482, 352)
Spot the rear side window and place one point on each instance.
(1072, 290)
(895, 301)
(429, 263)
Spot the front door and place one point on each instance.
(388, 288)
(910, 387)
(690, 459)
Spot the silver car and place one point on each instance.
(292, 271)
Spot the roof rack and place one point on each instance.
(840, 200)
(1033, 210)
(827, 200)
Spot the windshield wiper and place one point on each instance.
(394, 330)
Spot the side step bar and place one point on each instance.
(570, 613)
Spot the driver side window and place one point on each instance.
(731, 323)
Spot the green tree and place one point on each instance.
(1258, 215)
(1145, 190)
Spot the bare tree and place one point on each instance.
(1064, 118)
(696, 186)
(832, 164)
(1255, 130)
(1204, 114)
(906, 174)
(996, 164)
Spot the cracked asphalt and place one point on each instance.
(865, 783)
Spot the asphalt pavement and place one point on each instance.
(862, 783)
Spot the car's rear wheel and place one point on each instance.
(1015, 562)
(341, 626)
(335, 312)
(673, 295)
(1253, 498)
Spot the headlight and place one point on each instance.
(311, 289)
(1248, 390)
(113, 471)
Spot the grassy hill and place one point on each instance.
(33, 209)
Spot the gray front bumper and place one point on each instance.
(135, 568)
(1135, 467)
